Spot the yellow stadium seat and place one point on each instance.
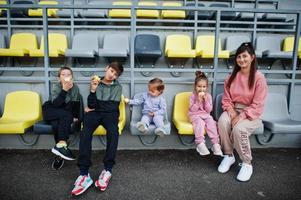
(180, 114)
(2, 3)
(51, 12)
(205, 47)
(120, 13)
(147, 13)
(178, 46)
(175, 14)
(22, 109)
(57, 46)
(288, 45)
(122, 119)
(20, 45)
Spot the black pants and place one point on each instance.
(91, 121)
(60, 120)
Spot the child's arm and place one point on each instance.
(162, 106)
(92, 98)
(193, 103)
(137, 101)
(208, 103)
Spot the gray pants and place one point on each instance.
(237, 136)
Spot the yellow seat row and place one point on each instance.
(288, 45)
(20, 115)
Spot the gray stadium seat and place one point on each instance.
(2, 58)
(136, 117)
(278, 120)
(100, 13)
(115, 47)
(202, 15)
(66, 13)
(273, 48)
(233, 42)
(84, 45)
(218, 110)
(246, 16)
(225, 15)
(274, 17)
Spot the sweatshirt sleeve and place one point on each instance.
(92, 100)
(58, 96)
(255, 109)
(137, 101)
(193, 103)
(162, 106)
(227, 103)
(208, 103)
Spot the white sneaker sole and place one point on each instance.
(59, 154)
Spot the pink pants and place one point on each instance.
(199, 126)
(237, 136)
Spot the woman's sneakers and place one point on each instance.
(103, 180)
(245, 172)
(226, 163)
(81, 184)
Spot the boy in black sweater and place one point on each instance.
(103, 106)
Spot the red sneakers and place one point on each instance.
(103, 180)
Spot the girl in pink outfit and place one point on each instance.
(245, 91)
(200, 106)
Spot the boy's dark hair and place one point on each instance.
(200, 76)
(64, 68)
(159, 84)
(117, 66)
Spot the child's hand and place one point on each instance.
(87, 109)
(75, 119)
(95, 80)
(67, 85)
(201, 95)
(151, 114)
(126, 100)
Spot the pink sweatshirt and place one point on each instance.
(239, 92)
(203, 108)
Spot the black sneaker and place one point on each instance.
(63, 152)
(57, 163)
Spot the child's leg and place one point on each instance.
(110, 123)
(158, 121)
(91, 122)
(146, 119)
(198, 128)
(211, 130)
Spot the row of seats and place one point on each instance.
(19, 116)
(126, 13)
(146, 46)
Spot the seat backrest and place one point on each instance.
(176, 4)
(147, 42)
(275, 107)
(177, 42)
(272, 43)
(23, 41)
(288, 44)
(233, 42)
(22, 105)
(116, 41)
(206, 42)
(85, 41)
(217, 106)
(56, 41)
(219, 5)
(181, 106)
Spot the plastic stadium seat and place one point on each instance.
(205, 47)
(115, 46)
(100, 13)
(245, 16)
(233, 42)
(2, 42)
(19, 12)
(148, 13)
(122, 119)
(174, 14)
(178, 46)
(66, 13)
(84, 45)
(51, 12)
(202, 15)
(278, 120)
(288, 45)
(218, 110)
(20, 45)
(180, 113)
(43, 127)
(21, 110)
(57, 46)
(147, 48)
(274, 17)
(136, 117)
(271, 47)
(225, 15)
(120, 13)
(2, 9)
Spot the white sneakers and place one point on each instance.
(216, 149)
(202, 149)
(141, 127)
(226, 164)
(245, 172)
